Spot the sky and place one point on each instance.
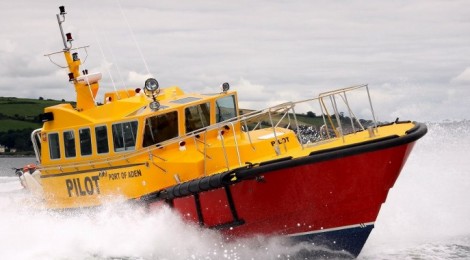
(414, 55)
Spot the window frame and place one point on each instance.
(96, 139)
(144, 139)
(123, 135)
(58, 145)
(80, 141)
(217, 114)
(186, 120)
(66, 144)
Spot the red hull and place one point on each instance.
(334, 193)
(330, 191)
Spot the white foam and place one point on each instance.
(10, 184)
(429, 203)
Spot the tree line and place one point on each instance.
(18, 139)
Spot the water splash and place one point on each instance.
(123, 231)
(429, 202)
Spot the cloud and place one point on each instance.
(251, 91)
(7, 45)
(137, 79)
(463, 77)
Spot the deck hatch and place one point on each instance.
(185, 100)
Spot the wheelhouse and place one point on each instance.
(110, 133)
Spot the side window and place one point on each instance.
(69, 144)
(197, 117)
(54, 146)
(160, 128)
(101, 139)
(85, 141)
(124, 135)
(225, 108)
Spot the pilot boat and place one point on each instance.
(319, 178)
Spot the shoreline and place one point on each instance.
(16, 156)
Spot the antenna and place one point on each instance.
(133, 37)
(66, 38)
(103, 56)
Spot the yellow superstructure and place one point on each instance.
(107, 152)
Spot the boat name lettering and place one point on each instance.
(282, 140)
(83, 187)
(124, 175)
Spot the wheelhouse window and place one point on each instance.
(197, 117)
(69, 144)
(85, 141)
(101, 134)
(225, 108)
(54, 145)
(160, 128)
(124, 136)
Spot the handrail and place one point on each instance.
(337, 91)
(236, 144)
(37, 151)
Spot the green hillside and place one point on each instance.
(18, 118)
(301, 118)
(11, 124)
(24, 107)
(22, 113)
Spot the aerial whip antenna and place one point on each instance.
(133, 37)
(104, 57)
(113, 57)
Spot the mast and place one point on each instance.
(86, 85)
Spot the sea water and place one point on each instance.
(426, 216)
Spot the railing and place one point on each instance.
(35, 139)
(342, 93)
(319, 128)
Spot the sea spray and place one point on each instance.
(429, 202)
